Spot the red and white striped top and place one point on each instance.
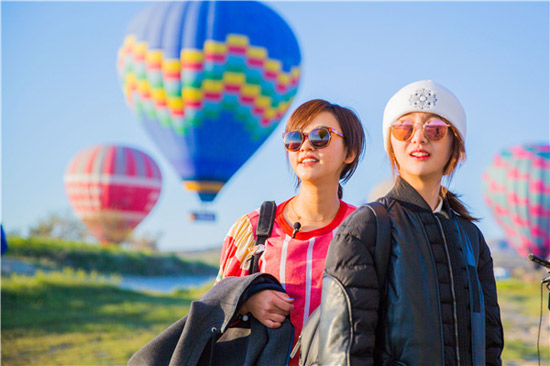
(298, 262)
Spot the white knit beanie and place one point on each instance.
(424, 96)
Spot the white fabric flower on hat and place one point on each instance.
(423, 99)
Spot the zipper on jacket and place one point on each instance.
(452, 287)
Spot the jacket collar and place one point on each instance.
(403, 192)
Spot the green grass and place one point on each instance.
(74, 318)
(78, 318)
(516, 291)
(50, 253)
(519, 352)
(520, 310)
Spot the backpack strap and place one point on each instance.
(263, 231)
(383, 243)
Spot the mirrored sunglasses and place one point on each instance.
(318, 138)
(434, 129)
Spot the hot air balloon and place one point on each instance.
(210, 81)
(112, 189)
(517, 188)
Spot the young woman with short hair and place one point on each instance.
(324, 142)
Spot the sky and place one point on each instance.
(61, 94)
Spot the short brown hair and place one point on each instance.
(352, 129)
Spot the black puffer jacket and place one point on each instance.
(440, 306)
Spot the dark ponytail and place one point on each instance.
(456, 204)
(340, 191)
(458, 156)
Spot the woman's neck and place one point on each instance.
(429, 188)
(314, 206)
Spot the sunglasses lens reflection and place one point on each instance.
(293, 140)
(435, 130)
(319, 137)
(402, 130)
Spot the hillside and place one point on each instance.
(49, 254)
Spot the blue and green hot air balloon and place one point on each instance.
(209, 81)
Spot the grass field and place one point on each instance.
(520, 305)
(74, 318)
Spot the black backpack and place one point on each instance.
(308, 340)
(263, 231)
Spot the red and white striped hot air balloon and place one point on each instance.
(112, 188)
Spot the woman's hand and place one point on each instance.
(270, 307)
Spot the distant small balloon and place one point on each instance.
(112, 189)
(516, 186)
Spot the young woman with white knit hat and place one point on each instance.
(439, 305)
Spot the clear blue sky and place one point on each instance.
(61, 94)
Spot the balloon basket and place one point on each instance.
(203, 216)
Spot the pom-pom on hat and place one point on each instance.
(424, 96)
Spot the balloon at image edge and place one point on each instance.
(516, 186)
(209, 81)
(112, 189)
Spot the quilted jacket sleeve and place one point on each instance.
(350, 284)
(494, 339)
